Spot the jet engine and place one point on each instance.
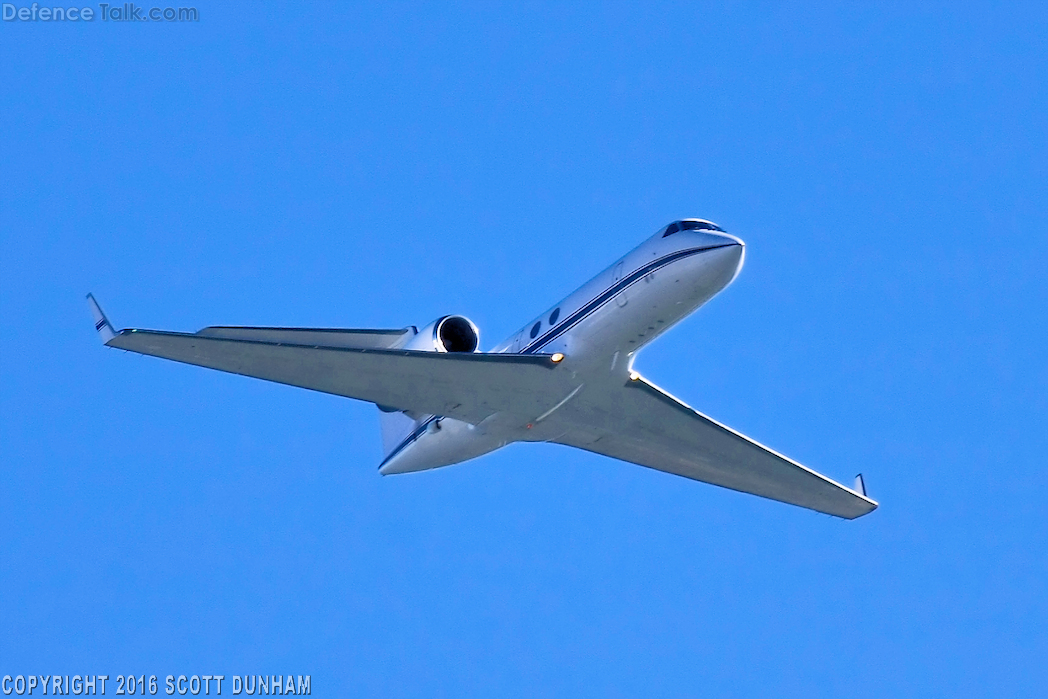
(447, 334)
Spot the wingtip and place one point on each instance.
(860, 489)
(102, 324)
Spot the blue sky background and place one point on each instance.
(338, 166)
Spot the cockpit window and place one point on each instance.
(678, 226)
(700, 226)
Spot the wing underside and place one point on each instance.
(640, 423)
(467, 387)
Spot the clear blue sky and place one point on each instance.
(335, 166)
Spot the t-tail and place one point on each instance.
(396, 427)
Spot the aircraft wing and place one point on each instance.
(465, 386)
(325, 337)
(643, 424)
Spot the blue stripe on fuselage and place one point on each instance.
(610, 293)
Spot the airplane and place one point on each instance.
(566, 377)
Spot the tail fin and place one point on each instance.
(395, 426)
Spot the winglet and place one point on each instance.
(102, 325)
(860, 485)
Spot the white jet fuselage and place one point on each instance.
(566, 377)
(598, 328)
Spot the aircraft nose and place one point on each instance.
(714, 238)
(728, 257)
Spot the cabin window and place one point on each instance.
(553, 316)
(535, 329)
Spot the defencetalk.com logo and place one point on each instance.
(126, 12)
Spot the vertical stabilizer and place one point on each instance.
(395, 427)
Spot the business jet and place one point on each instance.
(566, 377)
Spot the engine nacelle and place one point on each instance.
(447, 334)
